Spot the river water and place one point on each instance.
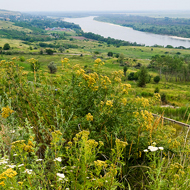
(125, 33)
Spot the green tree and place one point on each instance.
(125, 70)
(110, 54)
(156, 79)
(49, 51)
(52, 67)
(143, 77)
(121, 59)
(6, 46)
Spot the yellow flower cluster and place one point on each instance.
(109, 103)
(10, 173)
(143, 101)
(6, 111)
(77, 66)
(65, 60)
(117, 76)
(20, 145)
(100, 164)
(148, 119)
(105, 81)
(89, 117)
(32, 60)
(124, 101)
(120, 144)
(83, 134)
(56, 136)
(91, 143)
(98, 61)
(80, 72)
(125, 87)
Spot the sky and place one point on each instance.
(93, 5)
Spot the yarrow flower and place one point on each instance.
(161, 148)
(58, 159)
(61, 175)
(146, 150)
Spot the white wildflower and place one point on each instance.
(146, 150)
(58, 159)
(11, 166)
(161, 148)
(153, 149)
(28, 171)
(149, 147)
(38, 160)
(61, 175)
(20, 165)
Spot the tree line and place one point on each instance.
(109, 41)
(173, 68)
(168, 26)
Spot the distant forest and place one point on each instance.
(167, 26)
(38, 33)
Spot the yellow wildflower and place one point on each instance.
(6, 111)
(89, 117)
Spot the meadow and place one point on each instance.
(83, 125)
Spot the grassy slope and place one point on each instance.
(10, 26)
(178, 93)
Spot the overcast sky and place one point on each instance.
(93, 5)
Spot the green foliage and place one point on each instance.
(110, 54)
(52, 67)
(157, 90)
(133, 76)
(49, 51)
(143, 77)
(125, 68)
(156, 79)
(6, 46)
(22, 58)
(164, 98)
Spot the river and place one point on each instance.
(128, 34)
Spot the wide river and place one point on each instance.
(128, 34)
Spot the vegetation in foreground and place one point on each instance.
(83, 130)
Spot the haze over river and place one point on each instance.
(128, 34)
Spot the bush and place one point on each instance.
(52, 67)
(133, 76)
(125, 70)
(156, 79)
(6, 46)
(49, 51)
(22, 58)
(110, 54)
(144, 77)
(157, 90)
(164, 98)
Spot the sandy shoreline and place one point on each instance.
(179, 38)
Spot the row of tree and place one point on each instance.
(169, 26)
(173, 68)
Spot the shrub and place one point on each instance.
(52, 67)
(143, 77)
(125, 70)
(133, 76)
(156, 79)
(157, 90)
(22, 58)
(6, 46)
(164, 98)
(49, 51)
(110, 54)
